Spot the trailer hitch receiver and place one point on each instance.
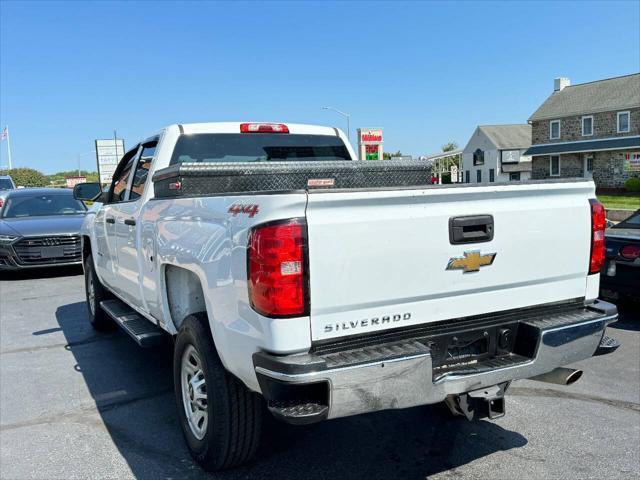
(477, 404)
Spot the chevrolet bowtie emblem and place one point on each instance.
(471, 262)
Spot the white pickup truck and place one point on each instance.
(297, 280)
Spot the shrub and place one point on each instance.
(632, 185)
(26, 177)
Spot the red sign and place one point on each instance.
(371, 137)
(73, 181)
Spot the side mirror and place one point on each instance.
(87, 192)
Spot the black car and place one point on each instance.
(40, 227)
(620, 274)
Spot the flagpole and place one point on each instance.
(9, 147)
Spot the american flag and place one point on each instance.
(5, 134)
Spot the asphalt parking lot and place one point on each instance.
(78, 404)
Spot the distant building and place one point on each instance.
(496, 153)
(588, 130)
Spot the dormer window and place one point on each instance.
(554, 129)
(587, 126)
(478, 157)
(623, 122)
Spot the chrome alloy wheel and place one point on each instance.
(194, 392)
(91, 293)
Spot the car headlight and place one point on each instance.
(7, 238)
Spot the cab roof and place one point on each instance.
(234, 127)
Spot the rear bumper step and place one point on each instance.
(405, 373)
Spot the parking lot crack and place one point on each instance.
(548, 392)
(95, 338)
(85, 412)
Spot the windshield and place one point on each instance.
(41, 205)
(632, 222)
(5, 184)
(258, 147)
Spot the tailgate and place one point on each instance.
(378, 259)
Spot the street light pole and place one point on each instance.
(80, 155)
(344, 114)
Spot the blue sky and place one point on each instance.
(426, 72)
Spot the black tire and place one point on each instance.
(233, 429)
(98, 318)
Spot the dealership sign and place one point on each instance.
(510, 156)
(108, 154)
(73, 181)
(370, 143)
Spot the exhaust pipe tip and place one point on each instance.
(573, 377)
(560, 376)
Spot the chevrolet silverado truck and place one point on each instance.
(299, 281)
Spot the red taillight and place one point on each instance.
(263, 128)
(598, 225)
(630, 252)
(277, 269)
(1, 202)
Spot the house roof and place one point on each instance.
(506, 137)
(607, 95)
(620, 143)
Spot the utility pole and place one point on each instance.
(9, 146)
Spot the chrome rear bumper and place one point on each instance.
(401, 374)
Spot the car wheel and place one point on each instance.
(221, 419)
(96, 293)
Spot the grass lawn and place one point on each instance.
(627, 201)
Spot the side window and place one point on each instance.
(120, 183)
(142, 170)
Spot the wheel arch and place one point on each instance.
(183, 294)
(86, 247)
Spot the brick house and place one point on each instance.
(588, 130)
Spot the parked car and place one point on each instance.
(40, 227)
(6, 183)
(620, 276)
(292, 275)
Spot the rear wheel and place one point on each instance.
(96, 293)
(220, 418)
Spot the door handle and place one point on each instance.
(130, 221)
(110, 220)
(470, 229)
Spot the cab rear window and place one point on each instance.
(259, 147)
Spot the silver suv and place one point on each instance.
(6, 182)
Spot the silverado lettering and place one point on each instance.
(353, 324)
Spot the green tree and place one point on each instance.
(60, 177)
(26, 177)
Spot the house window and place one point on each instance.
(492, 175)
(587, 126)
(479, 176)
(554, 129)
(514, 176)
(554, 165)
(467, 175)
(478, 157)
(623, 122)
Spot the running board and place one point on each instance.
(145, 333)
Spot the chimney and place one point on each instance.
(560, 83)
